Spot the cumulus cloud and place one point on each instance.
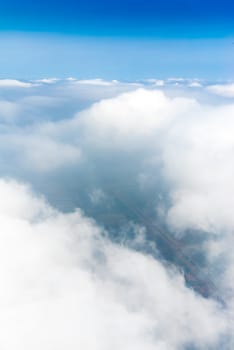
(64, 284)
(133, 116)
(12, 83)
(97, 81)
(195, 84)
(47, 80)
(226, 90)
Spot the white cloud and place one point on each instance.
(65, 285)
(12, 83)
(198, 161)
(38, 153)
(70, 79)
(100, 82)
(226, 90)
(195, 84)
(47, 80)
(133, 115)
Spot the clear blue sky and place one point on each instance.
(122, 39)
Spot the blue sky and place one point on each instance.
(117, 39)
(122, 17)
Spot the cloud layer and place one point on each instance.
(152, 164)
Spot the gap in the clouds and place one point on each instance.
(130, 219)
(125, 215)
